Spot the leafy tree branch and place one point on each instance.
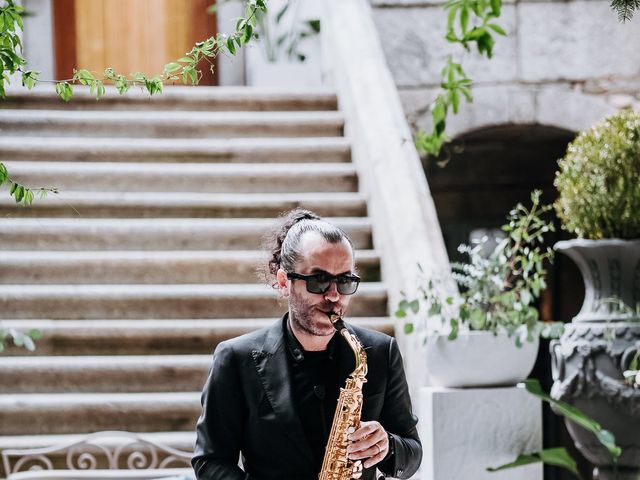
(185, 70)
(473, 23)
(469, 23)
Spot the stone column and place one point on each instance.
(38, 37)
(466, 430)
(231, 68)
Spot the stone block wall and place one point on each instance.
(563, 64)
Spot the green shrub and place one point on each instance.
(599, 180)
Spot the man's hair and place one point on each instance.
(284, 243)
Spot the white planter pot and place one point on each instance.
(282, 73)
(478, 359)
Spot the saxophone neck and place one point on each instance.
(353, 342)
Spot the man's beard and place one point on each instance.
(304, 317)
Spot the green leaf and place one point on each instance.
(464, 19)
(231, 46)
(314, 25)
(451, 17)
(18, 193)
(4, 174)
(28, 197)
(408, 328)
(476, 33)
(172, 67)
(485, 44)
(29, 78)
(497, 28)
(558, 457)
(451, 37)
(478, 319)
(399, 313)
(605, 437)
(248, 33)
(454, 330)
(63, 89)
(434, 309)
(439, 111)
(84, 77)
(496, 7)
(35, 334)
(415, 306)
(454, 96)
(122, 85)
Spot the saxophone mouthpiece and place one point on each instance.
(336, 320)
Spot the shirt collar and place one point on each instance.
(295, 347)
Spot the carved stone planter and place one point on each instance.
(597, 347)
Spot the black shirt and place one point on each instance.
(315, 385)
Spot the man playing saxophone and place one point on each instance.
(271, 395)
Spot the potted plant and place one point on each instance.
(494, 312)
(599, 201)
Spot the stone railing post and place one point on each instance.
(405, 224)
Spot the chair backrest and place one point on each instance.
(98, 456)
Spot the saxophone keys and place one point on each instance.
(357, 470)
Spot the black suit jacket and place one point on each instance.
(248, 409)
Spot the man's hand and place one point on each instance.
(369, 442)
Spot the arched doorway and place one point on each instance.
(489, 170)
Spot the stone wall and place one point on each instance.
(563, 64)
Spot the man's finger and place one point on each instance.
(366, 429)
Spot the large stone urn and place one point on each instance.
(597, 346)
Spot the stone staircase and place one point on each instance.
(146, 259)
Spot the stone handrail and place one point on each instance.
(405, 224)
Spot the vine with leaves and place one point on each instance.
(183, 70)
(473, 23)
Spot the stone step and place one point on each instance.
(187, 177)
(92, 204)
(153, 234)
(177, 98)
(169, 124)
(183, 441)
(162, 301)
(148, 337)
(64, 413)
(109, 374)
(125, 267)
(201, 150)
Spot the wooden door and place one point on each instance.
(129, 35)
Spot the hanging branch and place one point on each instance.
(184, 69)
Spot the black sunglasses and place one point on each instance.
(321, 282)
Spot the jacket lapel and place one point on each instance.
(273, 368)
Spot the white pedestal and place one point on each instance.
(464, 431)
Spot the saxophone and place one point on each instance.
(336, 464)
